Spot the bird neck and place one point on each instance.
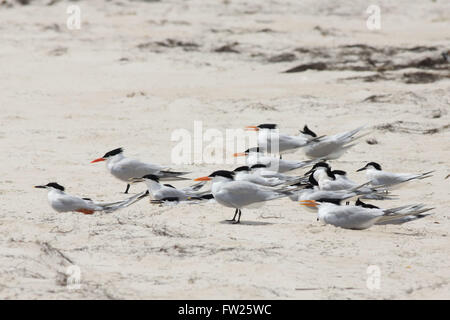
(153, 186)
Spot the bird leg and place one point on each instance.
(128, 188)
(239, 217)
(235, 213)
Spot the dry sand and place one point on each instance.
(138, 70)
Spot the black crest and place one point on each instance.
(222, 173)
(374, 164)
(270, 126)
(55, 185)
(151, 177)
(365, 205)
(170, 186)
(113, 152)
(321, 164)
(308, 131)
(243, 168)
(258, 165)
(329, 200)
(339, 172)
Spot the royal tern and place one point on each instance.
(63, 202)
(255, 156)
(271, 141)
(329, 147)
(263, 171)
(359, 217)
(125, 168)
(239, 194)
(311, 192)
(167, 192)
(244, 173)
(379, 177)
(333, 180)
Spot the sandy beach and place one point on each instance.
(136, 71)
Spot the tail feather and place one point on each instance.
(172, 175)
(422, 175)
(111, 207)
(347, 135)
(403, 219)
(408, 210)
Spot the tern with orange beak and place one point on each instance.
(125, 168)
(63, 202)
(359, 217)
(239, 194)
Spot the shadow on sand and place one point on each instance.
(247, 223)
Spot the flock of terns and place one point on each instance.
(266, 176)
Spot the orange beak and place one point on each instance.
(252, 128)
(203, 179)
(98, 160)
(309, 203)
(239, 154)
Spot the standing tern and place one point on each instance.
(125, 168)
(359, 217)
(256, 156)
(379, 177)
(63, 202)
(239, 194)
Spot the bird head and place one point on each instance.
(109, 155)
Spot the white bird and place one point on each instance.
(244, 173)
(329, 147)
(334, 180)
(271, 141)
(63, 202)
(311, 192)
(255, 156)
(239, 194)
(262, 170)
(126, 168)
(160, 193)
(379, 177)
(359, 217)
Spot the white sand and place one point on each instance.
(60, 109)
